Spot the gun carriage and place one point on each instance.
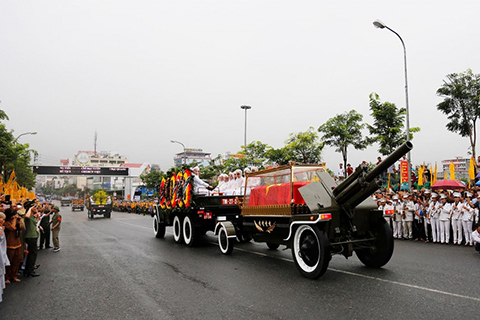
(302, 207)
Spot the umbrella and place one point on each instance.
(448, 184)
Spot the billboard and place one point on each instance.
(80, 171)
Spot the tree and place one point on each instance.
(304, 147)
(387, 129)
(342, 131)
(461, 104)
(279, 156)
(255, 153)
(153, 179)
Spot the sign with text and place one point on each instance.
(403, 171)
(80, 171)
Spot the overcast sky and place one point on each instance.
(145, 72)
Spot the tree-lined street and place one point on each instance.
(116, 269)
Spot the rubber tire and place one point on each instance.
(158, 228)
(272, 246)
(108, 215)
(310, 251)
(225, 244)
(382, 249)
(189, 232)
(177, 230)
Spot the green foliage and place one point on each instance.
(461, 104)
(388, 125)
(304, 147)
(15, 156)
(279, 156)
(255, 153)
(153, 179)
(342, 131)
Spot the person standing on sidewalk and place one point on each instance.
(31, 239)
(56, 222)
(44, 229)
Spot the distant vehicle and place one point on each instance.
(99, 204)
(65, 202)
(78, 204)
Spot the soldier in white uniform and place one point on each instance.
(388, 210)
(397, 218)
(445, 209)
(434, 216)
(407, 217)
(476, 237)
(457, 212)
(467, 219)
(200, 186)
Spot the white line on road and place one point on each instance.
(345, 272)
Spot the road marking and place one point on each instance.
(135, 225)
(343, 271)
(373, 278)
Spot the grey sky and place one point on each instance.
(142, 73)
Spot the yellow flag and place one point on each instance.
(471, 169)
(452, 171)
(12, 176)
(435, 174)
(420, 176)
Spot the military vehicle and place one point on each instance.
(99, 204)
(65, 202)
(77, 204)
(303, 208)
(190, 214)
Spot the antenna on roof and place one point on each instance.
(95, 142)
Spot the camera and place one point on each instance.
(7, 200)
(28, 204)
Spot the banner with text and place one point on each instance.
(403, 171)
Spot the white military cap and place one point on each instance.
(442, 196)
(382, 200)
(428, 191)
(434, 195)
(395, 197)
(457, 195)
(405, 195)
(468, 194)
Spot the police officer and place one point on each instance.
(56, 222)
(407, 217)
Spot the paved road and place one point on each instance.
(116, 269)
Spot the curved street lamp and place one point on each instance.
(32, 133)
(184, 154)
(379, 24)
(245, 137)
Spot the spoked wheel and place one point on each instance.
(158, 228)
(272, 246)
(225, 243)
(381, 249)
(177, 230)
(310, 251)
(190, 234)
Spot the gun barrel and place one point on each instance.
(391, 159)
(362, 184)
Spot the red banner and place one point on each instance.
(403, 171)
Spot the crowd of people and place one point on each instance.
(25, 227)
(445, 216)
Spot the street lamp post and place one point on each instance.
(381, 25)
(184, 154)
(245, 137)
(32, 133)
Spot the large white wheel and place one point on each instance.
(158, 228)
(224, 242)
(310, 251)
(177, 230)
(190, 233)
